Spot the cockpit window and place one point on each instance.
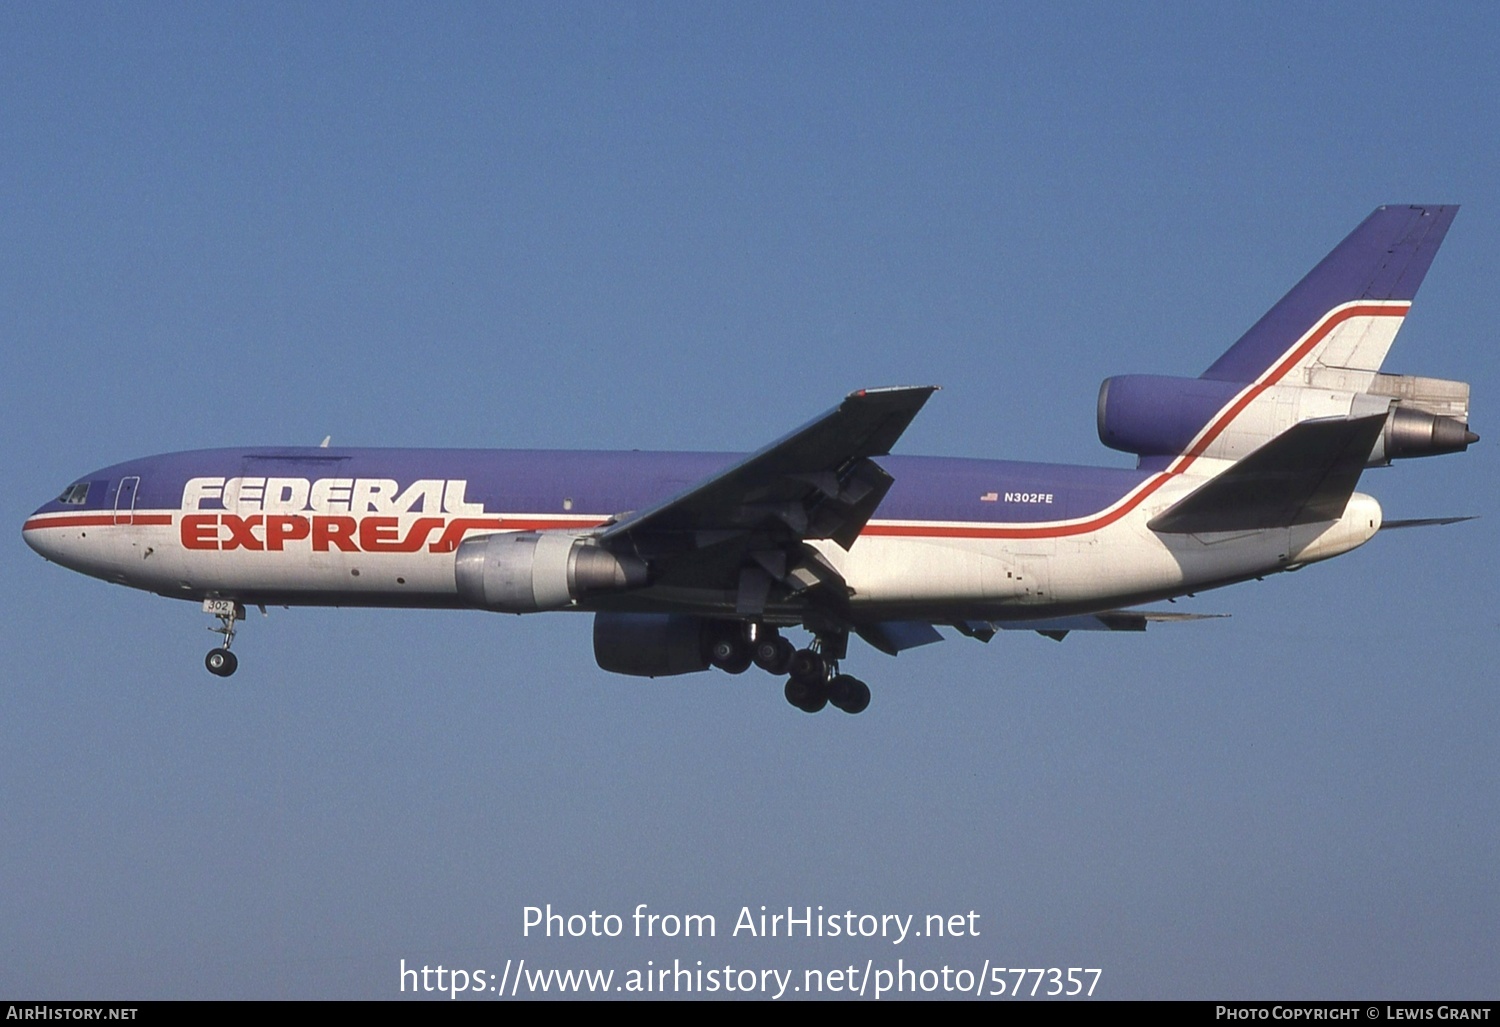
(75, 495)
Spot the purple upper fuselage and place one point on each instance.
(581, 483)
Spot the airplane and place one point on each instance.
(691, 561)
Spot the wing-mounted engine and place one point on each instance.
(651, 645)
(1160, 416)
(528, 571)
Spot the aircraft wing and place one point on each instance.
(743, 528)
(893, 637)
(818, 481)
(1057, 628)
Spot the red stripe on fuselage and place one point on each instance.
(108, 520)
(1279, 372)
(1180, 464)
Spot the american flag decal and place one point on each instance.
(989, 497)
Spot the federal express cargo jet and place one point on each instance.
(696, 560)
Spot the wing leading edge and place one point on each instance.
(743, 529)
(818, 480)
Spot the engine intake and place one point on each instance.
(651, 645)
(528, 571)
(1156, 415)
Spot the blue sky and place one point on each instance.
(696, 226)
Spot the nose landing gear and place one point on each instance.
(221, 661)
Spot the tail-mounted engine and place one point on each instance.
(1156, 416)
(1429, 416)
(527, 571)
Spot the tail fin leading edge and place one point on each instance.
(1353, 301)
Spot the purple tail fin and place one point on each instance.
(1383, 260)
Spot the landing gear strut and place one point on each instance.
(221, 661)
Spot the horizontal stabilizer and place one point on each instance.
(1303, 476)
(1424, 522)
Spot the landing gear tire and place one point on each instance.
(773, 655)
(849, 693)
(729, 653)
(221, 662)
(738, 665)
(807, 698)
(808, 668)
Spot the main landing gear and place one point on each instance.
(813, 680)
(221, 661)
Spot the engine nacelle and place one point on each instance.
(652, 645)
(528, 571)
(1156, 415)
(1411, 433)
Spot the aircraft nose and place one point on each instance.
(35, 532)
(54, 532)
(32, 532)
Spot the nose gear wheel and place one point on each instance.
(220, 661)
